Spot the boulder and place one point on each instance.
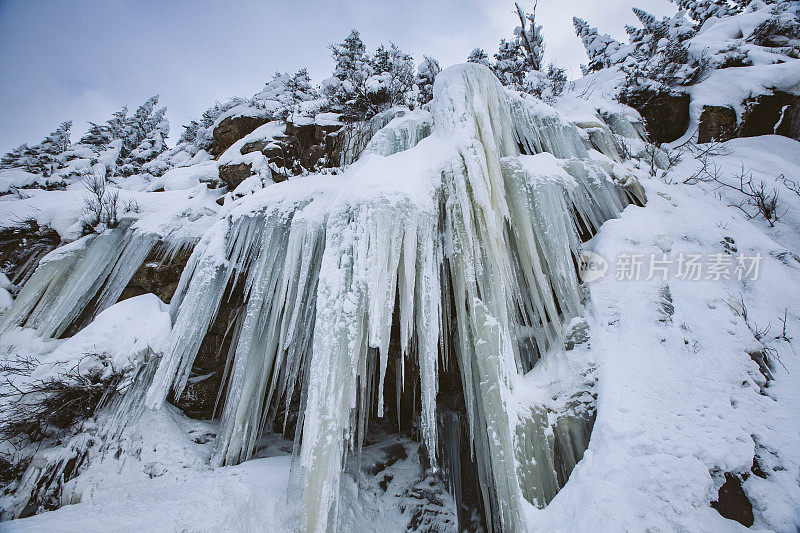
(666, 114)
(233, 175)
(732, 502)
(717, 123)
(231, 129)
(777, 113)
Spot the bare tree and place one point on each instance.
(100, 206)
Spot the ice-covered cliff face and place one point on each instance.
(459, 240)
(468, 240)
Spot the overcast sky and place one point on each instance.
(81, 60)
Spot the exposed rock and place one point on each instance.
(254, 146)
(231, 130)
(666, 115)
(769, 114)
(717, 123)
(22, 246)
(311, 157)
(304, 133)
(157, 275)
(732, 502)
(233, 175)
(205, 380)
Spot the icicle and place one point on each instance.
(78, 281)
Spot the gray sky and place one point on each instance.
(81, 60)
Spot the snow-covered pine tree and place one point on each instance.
(350, 57)
(393, 76)
(426, 74)
(478, 55)
(50, 150)
(98, 135)
(298, 89)
(510, 64)
(520, 56)
(190, 131)
(154, 142)
(352, 67)
(660, 58)
(702, 10)
(143, 135)
(22, 156)
(600, 48)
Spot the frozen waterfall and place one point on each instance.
(457, 228)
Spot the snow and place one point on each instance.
(188, 176)
(679, 402)
(468, 217)
(17, 177)
(241, 110)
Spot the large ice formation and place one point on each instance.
(460, 227)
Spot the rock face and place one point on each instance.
(304, 147)
(769, 114)
(203, 387)
(231, 130)
(21, 248)
(777, 113)
(717, 123)
(666, 115)
(233, 175)
(157, 276)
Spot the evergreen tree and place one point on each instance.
(426, 75)
(98, 135)
(510, 64)
(189, 134)
(600, 48)
(517, 58)
(393, 74)
(20, 157)
(702, 10)
(350, 59)
(352, 67)
(479, 56)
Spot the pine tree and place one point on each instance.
(426, 75)
(393, 72)
(350, 58)
(98, 135)
(517, 57)
(19, 157)
(478, 56)
(702, 10)
(352, 67)
(189, 134)
(510, 64)
(599, 48)
(47, 154)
